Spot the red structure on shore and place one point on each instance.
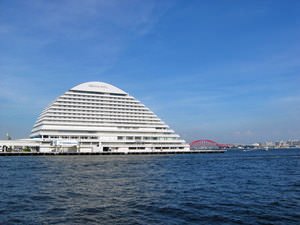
(207, 144)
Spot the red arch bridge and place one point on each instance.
(207, 144)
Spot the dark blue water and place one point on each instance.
(260, 187)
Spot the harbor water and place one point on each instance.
(255, 187)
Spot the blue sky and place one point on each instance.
(222, 70)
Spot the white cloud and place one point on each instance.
(63, 33)
(78, 19)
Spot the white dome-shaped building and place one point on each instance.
(96, 116)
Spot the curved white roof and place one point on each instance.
(97, 86)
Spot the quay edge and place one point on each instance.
(107, 153)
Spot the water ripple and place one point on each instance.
(230, 188)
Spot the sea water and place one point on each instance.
(257, 187)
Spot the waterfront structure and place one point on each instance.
(20, 145)
(96, 117)
(207, 144)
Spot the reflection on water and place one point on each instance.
(232, 188)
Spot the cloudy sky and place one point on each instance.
(222, 70)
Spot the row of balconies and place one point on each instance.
(65, 126)
(86, 109)
(103, 127)
(131, 131)
(58, 109)
(86, 102)
(98, 102)
(159, 141)
(93, 118)
(113, 113)
(111, 125)
(64, 97)
(99, 115)
(102, 111)
(100, 121)
(115, 108)
(84, 95)
(82, 129)
(118, 135)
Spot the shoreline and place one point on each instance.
(107, 153)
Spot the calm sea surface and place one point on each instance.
(261, 187)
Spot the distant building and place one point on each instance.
(256, 145)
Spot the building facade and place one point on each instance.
(96, 117)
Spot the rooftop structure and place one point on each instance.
(96, 117)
